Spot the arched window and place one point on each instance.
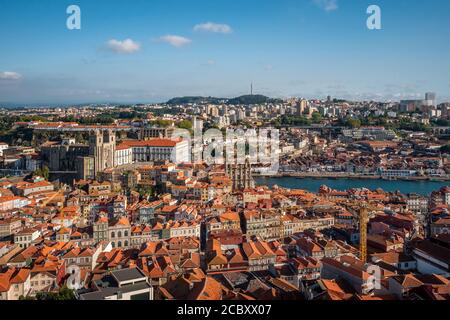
(119, 244)
(126, 243)
(113, 234)
(126, 234)
(119, 234)
(113, 244)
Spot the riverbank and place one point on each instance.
(347, 176)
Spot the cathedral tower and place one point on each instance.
(102, 147)
(241, 175)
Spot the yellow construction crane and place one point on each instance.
(363, 221)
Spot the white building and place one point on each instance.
(25, 237)
(124, 155)
(176, 151)
(3, 146)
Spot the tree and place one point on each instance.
(145, 191)
(446, 149)
(442, 122)
(316, 117)
(294, 121)
(44, 172)
(185, 124)
(162, 123)
(64, 293)
(406, 124)
(353, 123)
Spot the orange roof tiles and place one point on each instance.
(162, 143)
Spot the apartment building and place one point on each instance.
(119, 232)
(262, 225)
(26, 237)
(9, 227)
(14, 283)
(26, 188)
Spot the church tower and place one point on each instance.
(102, 147)
(241, 175)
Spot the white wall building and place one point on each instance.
(3, 146)
(176, 151)
(124, 155)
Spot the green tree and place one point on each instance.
(316, 117)
(442, 123)
(294, 121)
(145, 191)
(162, 123)
(64, 293)
(185, 124)
(353, 123)
(406, 124)
(43, 172)
(446, 149)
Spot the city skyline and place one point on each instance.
(150, 52)
(257, 153)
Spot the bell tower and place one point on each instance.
(102, 147)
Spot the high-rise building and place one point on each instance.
(212, 111)
(240, 115)
(197, 151)
(430, 99)
(301, 107)
(224, 110)
(413, 105)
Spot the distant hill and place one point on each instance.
(186, 100)
(246, 99)
(252, 99)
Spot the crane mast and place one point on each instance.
(363, 220)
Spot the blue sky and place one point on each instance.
(309, 48)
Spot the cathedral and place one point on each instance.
(102, 148)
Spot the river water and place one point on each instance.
(420, 187)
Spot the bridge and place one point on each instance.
(315, 128)
(440, 131)
(83, 128)
(14, 172)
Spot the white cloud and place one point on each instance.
(327, 5)
(126, 46)
(9, 75)
(211, 62)
(213, 27)
(176, 41)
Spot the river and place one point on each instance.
(420, 187)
